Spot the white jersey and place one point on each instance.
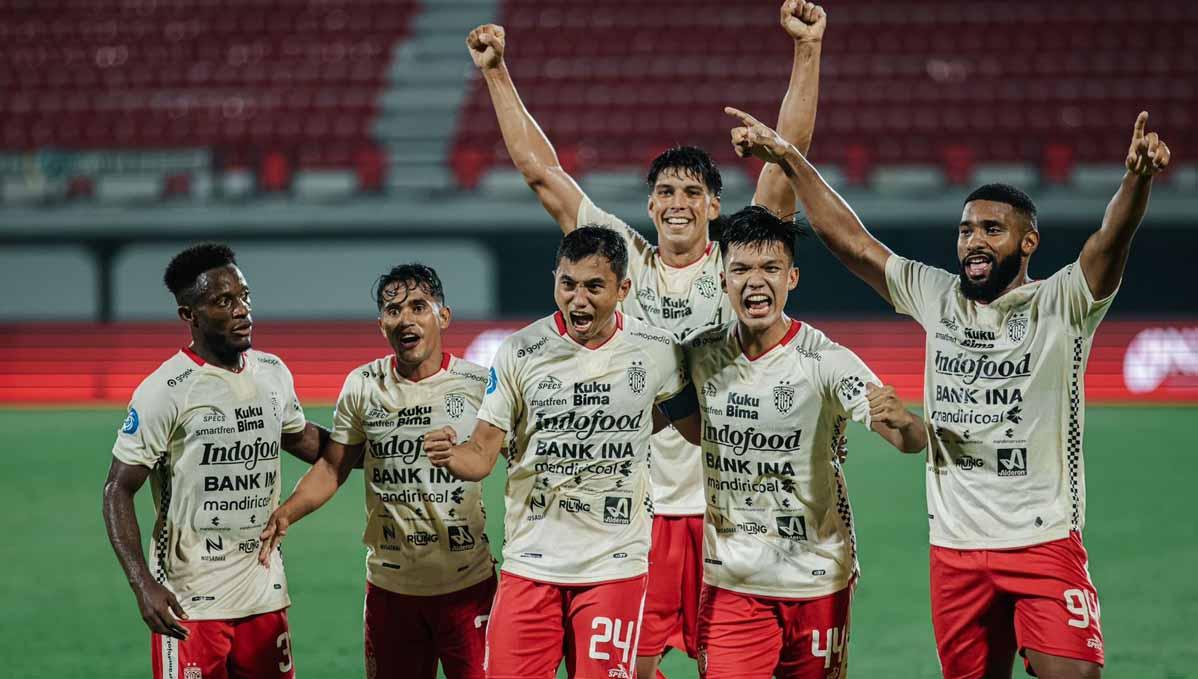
(425, 530)
(212, 438)
(1004, 400)
(578, 423)
(684, 301)
(778, 523)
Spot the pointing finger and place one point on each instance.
(747, 119)
(1141, 123)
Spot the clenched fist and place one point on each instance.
(486, 45)
(804, 21)
(885, 406)
(1148, 154)
(438, 446)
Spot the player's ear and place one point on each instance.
(186, 314)
(382, 330)
(792, 278)
(444, 315)
(1029, 242)
(625, 287)
(713, 209)
(723, 283)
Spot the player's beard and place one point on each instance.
(229, 350)
(1002, 273)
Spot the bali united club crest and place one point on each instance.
(1017, 328)
(706, 286)
(455, 405)
(193, 672)
(636, 378)
(784, 398)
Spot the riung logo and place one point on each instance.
(423, 538)
(617, 510)
(784, 398)
(573, 505)
(1017, 328)
(460, 539)
(216, 544)
(636, 378)
(967, 462)
(707, 287)
(1012, 461)
(792, 527)
(455, 405)
(250, 546)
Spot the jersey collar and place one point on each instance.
(790, 334)
(560, 322)
(446, 357)
(201, 362)
(705, 255)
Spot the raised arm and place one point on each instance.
(834, 221)
(159, 608)
(469, 461)
(902, 428)
(314, 489)
(1104, 255)
(528, 146)
(804, 22)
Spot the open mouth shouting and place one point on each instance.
(758, 304)
(581, 322)
(408, 341)
(978, 266)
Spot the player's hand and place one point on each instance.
(755, 138)
(885, 406)
(804, 21)
(161, 610)
(1148, 154)
(272, 535)
(486, 45)
(438, 445)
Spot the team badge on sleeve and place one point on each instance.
(784, 398)
(493, 382)
(129, 426)
(455, 405)
(636, 378)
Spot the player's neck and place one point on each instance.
(678, 256)
(422, 370)
(755, 343)
(229, 361)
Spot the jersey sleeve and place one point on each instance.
(501, 400)
(915, 288)
(843, 376)
(347, 414)
(674, 378)
(1067, 295)
(144, 436)
(590, 215)
(293, 413)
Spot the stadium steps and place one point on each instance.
(427, 83)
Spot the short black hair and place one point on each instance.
(687, 160)
(1005, 193)
(412, 276)
(756, 227)
(185, 268)
(590, 240)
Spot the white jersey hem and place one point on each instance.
(797, 595)
(1012, 543)
(235, 614)
(435, 591)
(554, 579)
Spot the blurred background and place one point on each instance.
(329, 139)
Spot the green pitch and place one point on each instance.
(68, 613)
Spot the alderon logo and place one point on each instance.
(1156, 354)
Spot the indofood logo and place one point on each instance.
(740, 441)
(247, 455)
(970, 369)
(584, 427)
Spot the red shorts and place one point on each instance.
(742, 636)
(988, 603)
(675, 579)
(255, 647)
(595, 626)
(407, 635)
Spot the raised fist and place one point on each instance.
(486, 46)
(1148, 154)
(804, 21)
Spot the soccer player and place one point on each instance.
(1004, 393)
(206, 428)
(775, 395)
(430, 577)
(573, 395)
(675, 287)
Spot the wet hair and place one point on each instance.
(412, 276)
(687, 160)
(590, 240)
(186, 267)
(756, 227)
(1005, 193)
